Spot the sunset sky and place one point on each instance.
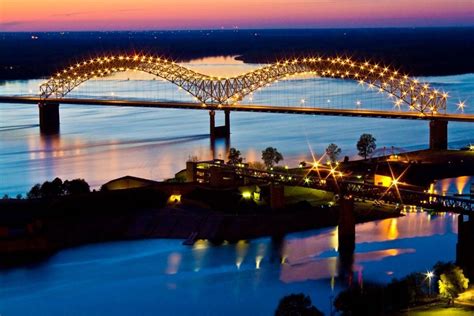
(65, 15)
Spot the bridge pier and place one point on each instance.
(346, 237)
(464, 253)
(49, 117)
(219, 131)
(438, 134)
(212, 124)
(277, 196)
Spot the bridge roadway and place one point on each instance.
(393, 194)
(246, 108)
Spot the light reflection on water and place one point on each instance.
(164, 276)
(100, 144)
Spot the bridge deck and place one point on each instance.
(392, 194)
(248, 108)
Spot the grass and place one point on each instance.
(439, 310)
(294, 194)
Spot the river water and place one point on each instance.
(103, 143)
(163, 277)
(151, 277)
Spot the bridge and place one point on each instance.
(412, 99)
(329, 179)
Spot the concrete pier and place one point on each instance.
(49, 117)
(438, 134)
(219, 131)
(464, 253)
(346, 238)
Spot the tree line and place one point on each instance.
(271, 156)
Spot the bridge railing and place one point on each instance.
(335, 183)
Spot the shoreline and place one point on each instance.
(70, 221)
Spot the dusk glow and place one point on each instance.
(236, 157)
(50, 15)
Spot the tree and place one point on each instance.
(271, 156)
(366, 145)
(333, 151)
(451, 281)
(358, 301)
(234, 156)
(76, 186)
(57, 188)
(297, 304)
(35, 192)
(52, 189)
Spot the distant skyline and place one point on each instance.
(68, 15)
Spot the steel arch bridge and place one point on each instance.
(208, 90)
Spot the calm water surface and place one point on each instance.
(103, 143)
(163, 277)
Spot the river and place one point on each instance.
(102, 143)
(163, 277)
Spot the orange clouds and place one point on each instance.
(34, 15)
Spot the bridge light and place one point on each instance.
(247, 195)
(461, 105)
(358, 103)
(302, 101)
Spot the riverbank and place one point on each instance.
(419, 168)
(35, 229)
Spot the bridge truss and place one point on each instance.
(221, 92)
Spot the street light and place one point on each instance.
(429, 276)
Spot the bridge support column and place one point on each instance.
(438, 134)
(49, 117)
(227, 123)
(219, 131)
(277, 196)
(212, 124)
(464, 253)
(346, 237)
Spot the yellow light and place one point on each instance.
(247, 195)
(174, 198)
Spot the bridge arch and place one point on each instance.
(417, 96)
(63, 82)
(406, 91)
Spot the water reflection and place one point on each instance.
(316, 257)
(240, 277)
(459, 185)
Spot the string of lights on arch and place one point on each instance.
(406, 92)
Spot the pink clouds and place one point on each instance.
(50, 15)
